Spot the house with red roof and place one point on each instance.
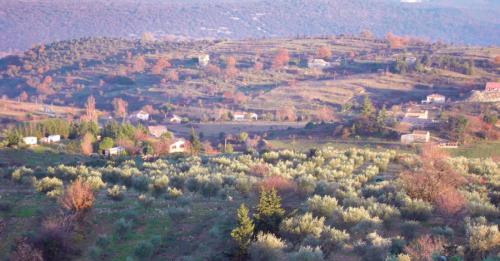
(492, 87)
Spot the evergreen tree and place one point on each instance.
(269, 213)
(243, 234)
(195, 142)
(367, 106)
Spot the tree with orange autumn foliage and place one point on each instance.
(323, 52)
(172, 75)
(286, 113)
(258, 66)
(44, 86)
(424, 247)
(435, 182)
(396, 42)
(161, 64)
(86, 144)
(90, 111)
(139, 64)
(78, 198)
(280, 59)
(120, 107)
(325, 114)
(497, 60)
(213, 70)
(231, 69)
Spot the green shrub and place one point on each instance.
(416, 209)
(51, 186)
(446, 232)
(140, 183)
(160, 184)
(299, 227)
(333, 239)
(173, 193)
(306, 184)
(144, 250)
(122, 228)
(22, 174)
(353, 216)
(267, 247)
(116, 192)
(322, 206)
(95, 253)
(409, 229)
(103, 241)
(145, 200)
(307, 254)
(95, 182)
(177, 213)
(482, 237)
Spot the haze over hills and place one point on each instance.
(24, 23)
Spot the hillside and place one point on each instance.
(154, 73)
(24, 23)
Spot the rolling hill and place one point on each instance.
(24, 23)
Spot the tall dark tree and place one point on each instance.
(268, 213)
(196, 144)
(243, 234)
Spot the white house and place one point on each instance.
(416, 137)
(30, 140)
(318, 63)
(175, 119)
(115, 151)
(253, 116)
(435, 98)
(203, 60)
(51, 139)
(142, 115)
(239, 116)
(178, 146)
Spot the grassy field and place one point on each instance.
(479, 150)
(307, 144)
(38, 156)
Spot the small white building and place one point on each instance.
(253, 116)
(142, 115)
(318, 64)
(175, 119)
(239, 116)
(178, 146)
(115, 151)
(203, 60)
(435, 98)
(416, 137)
(51, 139)
(30, 140)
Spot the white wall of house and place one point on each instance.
(30, 140)
(178, 146)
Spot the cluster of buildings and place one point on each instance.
(418, 119)
(243, 116)
(32, 140)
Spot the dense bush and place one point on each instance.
(122, 228)
(267, 247)
(53, 187)
(307, 254)
(299, 227)
(116, 192)
(322, 206)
